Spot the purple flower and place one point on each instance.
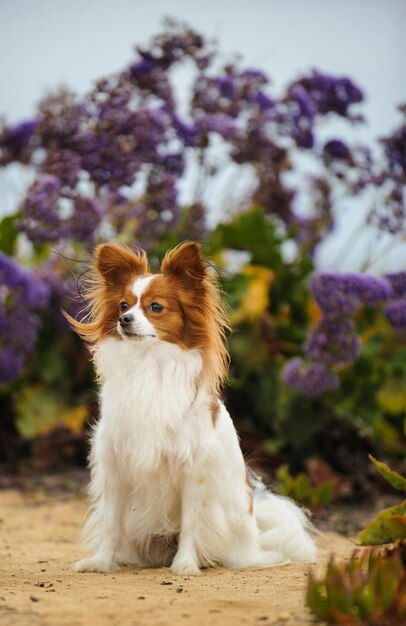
(395, 313)
(122, 143)
(311, 379)
(333, 342)
(159, 209)
(11, 363)
(150, 77)
(186, 131)
(21, 295)
(65, 165)
(336, 149)
(172, 162)
(231, 93)
(15, 142)
(331, 295)
(226, 86)
(369, 289)
(220, 124)
(86, 219)
(19, 283)
(294, 117)
(39, 211)
(263, 101)
(398, 282)
(329, 94)
(395, 150)
(302, 100)
(390, 214)
(61, 284)
(256, 76)
(341, 294)
(143, 67)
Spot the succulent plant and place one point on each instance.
(370, 589)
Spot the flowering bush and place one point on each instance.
(139, 160)
(22, 296)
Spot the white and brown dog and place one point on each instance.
(169, 485)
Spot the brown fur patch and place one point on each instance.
(170, 322)
(115, 268)
(214, 410)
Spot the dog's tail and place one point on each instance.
(284, 528)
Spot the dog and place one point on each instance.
(169, 485)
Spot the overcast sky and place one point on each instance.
(47, 43)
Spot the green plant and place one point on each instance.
(368, 589)
(389, 525)
(301, 489)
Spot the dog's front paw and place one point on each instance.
(95, 564)
(185, 568)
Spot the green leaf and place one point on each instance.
(251, 231)
(396, 480)
(39, 409)
(388, 526)
(8, 234)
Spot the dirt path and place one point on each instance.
(37, 586)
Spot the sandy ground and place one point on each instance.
(38, 535)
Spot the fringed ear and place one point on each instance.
(113, 261)
(186, 263)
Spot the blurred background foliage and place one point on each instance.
(318, 360)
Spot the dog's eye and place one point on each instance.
(124, 306)
(155, 307)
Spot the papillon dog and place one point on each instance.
(169, 485)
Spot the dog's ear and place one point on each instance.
(113, 261)
(186, 263)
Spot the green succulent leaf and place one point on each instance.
(388, 526)
(396, 480)
(369, 589)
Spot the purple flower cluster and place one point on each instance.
(341, 294)
(395, 313)
(46, 219)
(16, 142)
(231, 93)
(322, 94)
(22, 295)
(390, 214)
(311, 380)
(395, 310)
(336, 149)
(333, 342)
(395, 151)
(129, 128)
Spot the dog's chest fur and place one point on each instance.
(150, 399)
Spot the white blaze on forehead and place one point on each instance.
(140, 286)
(140, 324)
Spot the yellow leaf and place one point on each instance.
(380, 326)
(256, 299)
(392, 398)
(39, 410)
(315, 314)
(74, 419)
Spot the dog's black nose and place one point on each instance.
(126, 319)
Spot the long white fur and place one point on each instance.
(168, 487)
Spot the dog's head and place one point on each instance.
(180, 305)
